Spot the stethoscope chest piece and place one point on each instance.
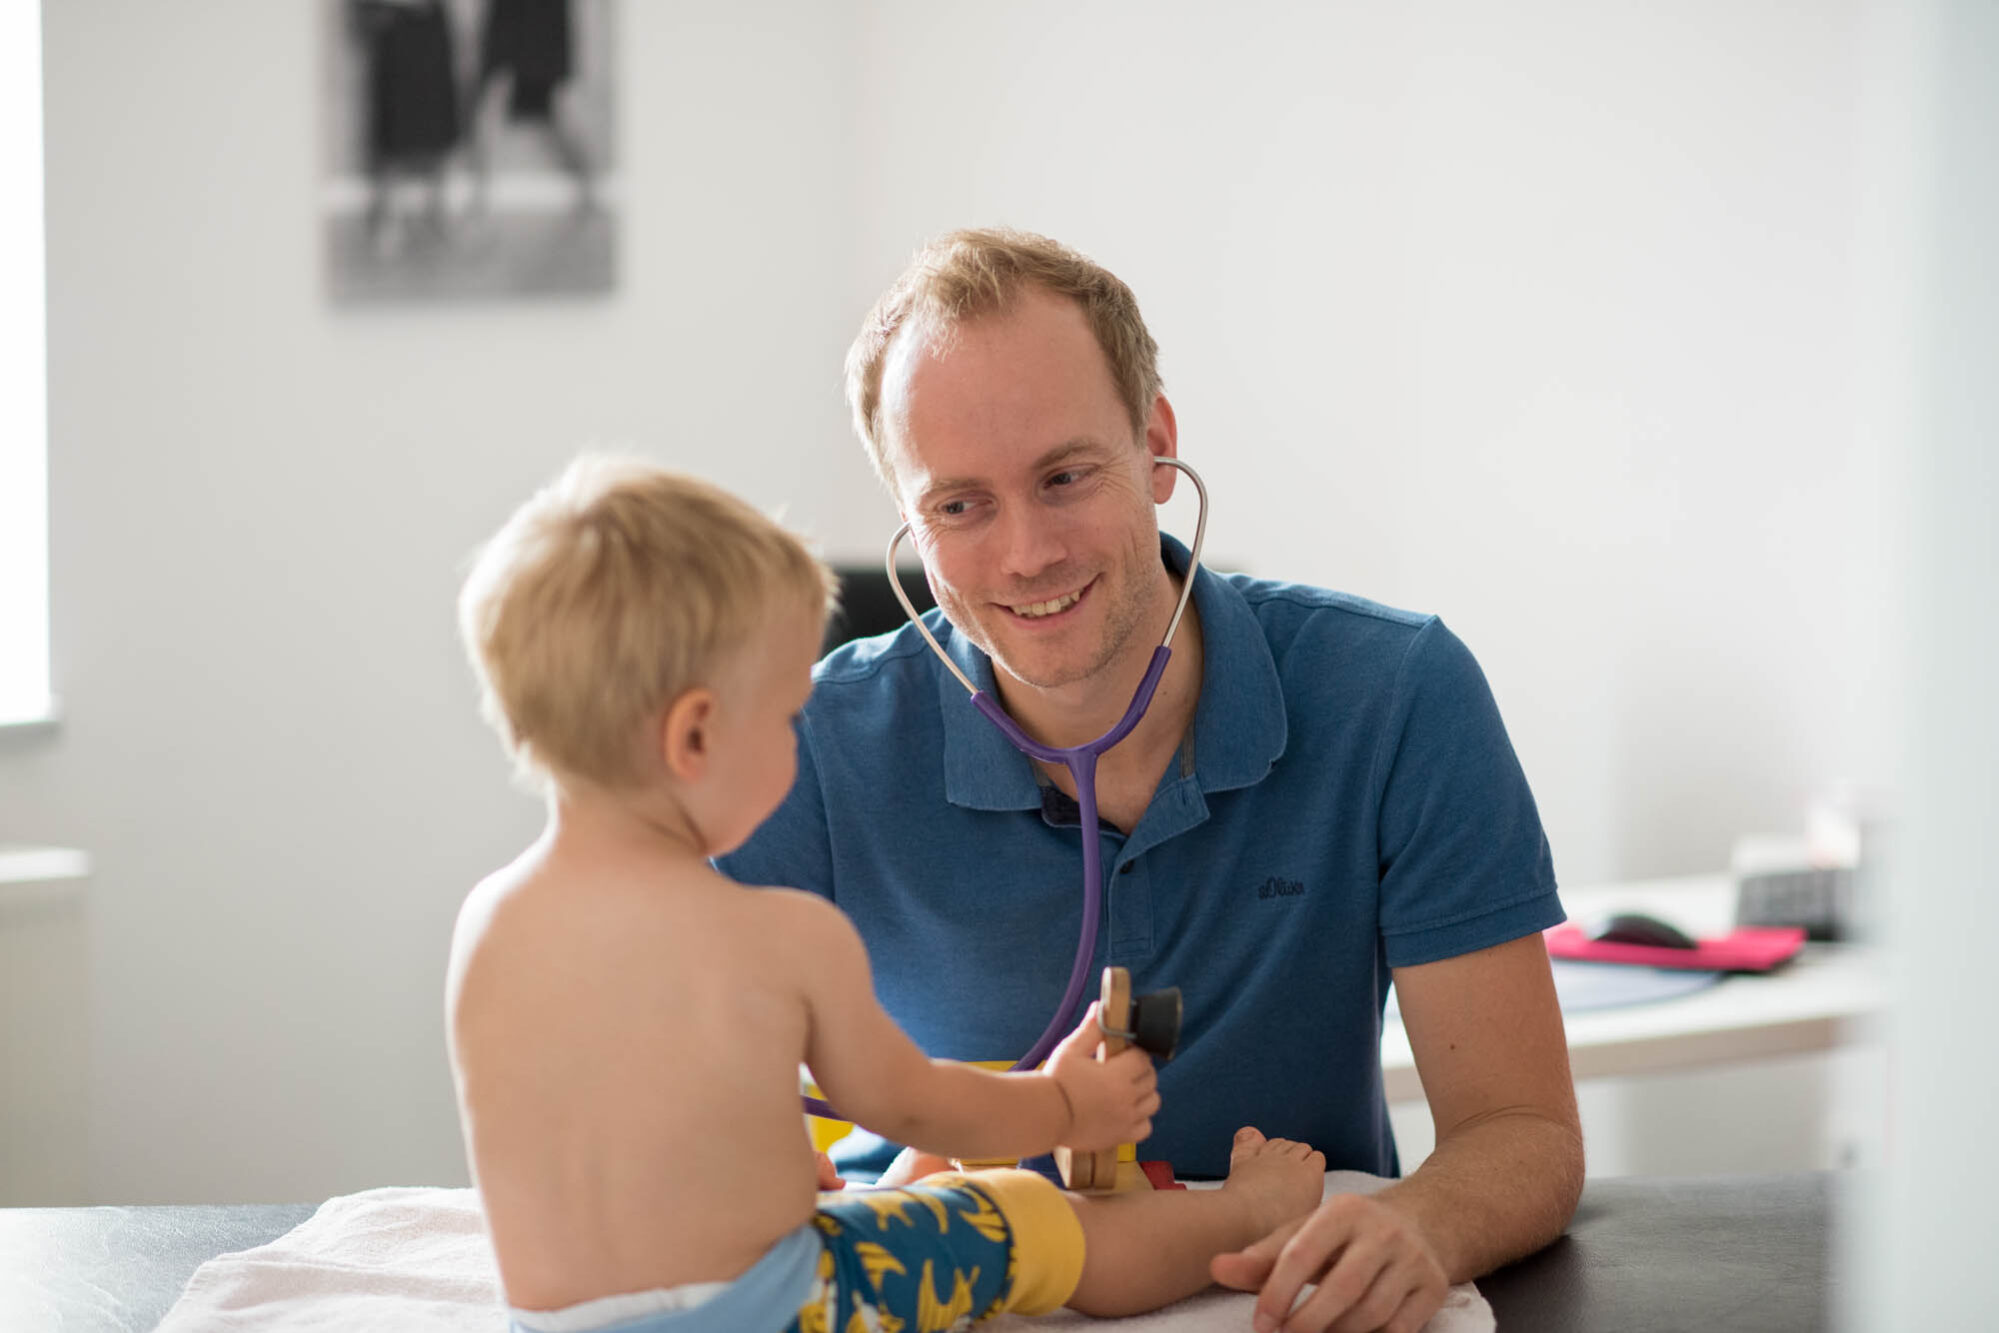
(1155, 1022)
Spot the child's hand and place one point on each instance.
(829, 1175)
(1110, 1101)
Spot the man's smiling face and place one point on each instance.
(1031, 500)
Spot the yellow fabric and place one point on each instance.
(1047, 1238)
(825, 1133)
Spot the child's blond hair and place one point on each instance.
(615, 589)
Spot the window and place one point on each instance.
(24, 454)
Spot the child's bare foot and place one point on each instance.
(1277, 1179)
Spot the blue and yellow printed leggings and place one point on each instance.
(942, 1254)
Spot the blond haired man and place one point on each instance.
(1321, 798)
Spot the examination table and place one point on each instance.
(1711, 1253)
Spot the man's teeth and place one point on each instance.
(1036, 609)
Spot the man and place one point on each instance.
(1321, 797)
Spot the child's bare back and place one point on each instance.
(628, 1038)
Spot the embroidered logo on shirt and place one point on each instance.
(1276, 887)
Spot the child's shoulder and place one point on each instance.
(802, 934)
(476, 913)
(799, 916)
(474, 933)
(697, 918)
(539, 904)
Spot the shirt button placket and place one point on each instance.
(1131, 914)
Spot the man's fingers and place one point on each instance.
(1273, 1245)
(1317, 1243)
(1343, 1284)
(1405, 1314)
(1372, 1312)
(1239, 1270)
(1247, 1268)
(1382, 1305)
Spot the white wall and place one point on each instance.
(1543, 321)
(260, 506)
(1540, 316)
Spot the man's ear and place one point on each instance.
(1162, 440)
(686, 734)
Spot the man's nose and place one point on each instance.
(1029, 542)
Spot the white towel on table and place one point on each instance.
(418, 1261)
(402, 1259)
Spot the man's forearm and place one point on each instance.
(1495, 1189)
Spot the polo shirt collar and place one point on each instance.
(1239, 719)
(982, 770)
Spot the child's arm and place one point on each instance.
(876, 1076)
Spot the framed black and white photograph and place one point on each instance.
(469, 150)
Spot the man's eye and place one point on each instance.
(953, 508)
(1065, 478)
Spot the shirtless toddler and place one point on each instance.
(627, 1025)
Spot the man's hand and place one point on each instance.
(1374, 1270)
(1110, 1101)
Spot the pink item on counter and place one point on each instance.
(1744, 949)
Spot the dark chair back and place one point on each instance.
(868, 605)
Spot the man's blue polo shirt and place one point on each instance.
(1349, 804)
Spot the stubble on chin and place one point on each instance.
(1125, 615)
(1056, 674)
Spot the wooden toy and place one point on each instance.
(1152, 1021)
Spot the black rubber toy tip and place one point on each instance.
(1155, 1022)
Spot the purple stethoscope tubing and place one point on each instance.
(1080, 760)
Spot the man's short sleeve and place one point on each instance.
(1464, 862)
(793, 848)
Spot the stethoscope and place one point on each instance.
(1080, 760)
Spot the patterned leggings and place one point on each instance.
(942, 1254)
